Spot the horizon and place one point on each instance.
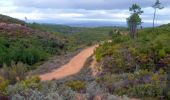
(83, 13)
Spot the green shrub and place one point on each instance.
(15, 72)
(22, 87)
(106, 49)
(76, 85)
(142, 84)
(141, 91)
(117, 38)
(150, 47)
(121, 91)
(29, 50)
(146, 90)
(31, 82)
(3, 86)
(161, 53)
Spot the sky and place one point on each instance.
(76, 11)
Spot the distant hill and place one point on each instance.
(53, 28)
(10, 20)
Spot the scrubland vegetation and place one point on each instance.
(126, 68)
(76, 35)
(10, 20)
(136, 68)
(23, 47)
(134, 64)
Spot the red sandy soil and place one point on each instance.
(71, 68)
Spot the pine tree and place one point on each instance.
(134, 20)
(156, 6)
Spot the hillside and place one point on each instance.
(79, 35)
(33, 43)
(23, 48)
(124, 69)
(137, 68)
(10, 20)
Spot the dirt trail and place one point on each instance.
(71, 68)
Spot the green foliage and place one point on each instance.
(76, 85)
(118, 38)
(29, 50)
(151, 49)
(31, 82)
(161, 53)
(121, 91)
(145, 90)
(3, 86)
(25, 85)
(134, 20)
(105, 49)
(150, 84)
(15, 72)
(157, 5)
(150, 52)
(136, 9)
(77, 35)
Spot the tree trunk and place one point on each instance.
(131, 30)
(154, 18)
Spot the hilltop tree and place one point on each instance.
(134, 20)
(156, 6)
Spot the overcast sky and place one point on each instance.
(70, 11)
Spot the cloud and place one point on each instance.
(66, 11)
(85, 4)
(71, 15)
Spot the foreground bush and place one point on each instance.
(15, 72)
(146, 90)
(3, 86)
(76, 85)
(24, 86)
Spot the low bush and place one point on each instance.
(145, 90)
(3, 86)
(15, 72)
(106, 49)
(25, 85)
(31, 82)
(76, 85)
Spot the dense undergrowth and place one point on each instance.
(137, 68)
(28, 50)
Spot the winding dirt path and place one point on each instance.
(71, 68)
